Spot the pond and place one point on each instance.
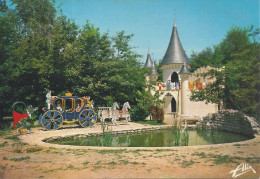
(158, 138)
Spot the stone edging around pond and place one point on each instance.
(230, 121)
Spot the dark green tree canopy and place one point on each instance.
(41, 51)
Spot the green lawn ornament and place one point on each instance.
(21, 113)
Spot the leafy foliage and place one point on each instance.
(141, 110)
(40, 51)
(213, 93)
(144, 102)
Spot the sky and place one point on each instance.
(200, 23)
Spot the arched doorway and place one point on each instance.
(173, 104)
(174, 77)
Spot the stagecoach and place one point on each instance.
(68, 109)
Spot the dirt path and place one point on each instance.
(29, 157)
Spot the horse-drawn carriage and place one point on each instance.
(68, 109)
(113, 113)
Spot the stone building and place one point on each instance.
(178, 82)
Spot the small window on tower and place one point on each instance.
(174, 77)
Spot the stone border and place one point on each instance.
(230, 121)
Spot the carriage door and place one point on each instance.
(70, 109)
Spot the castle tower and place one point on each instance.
(153, 74)
(174, 58)
(178, 82)
(148, 63)
(172, 63)
(184, 75)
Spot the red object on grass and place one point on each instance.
(17, 117)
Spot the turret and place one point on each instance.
(174, 57)
(153, 74)
(184, 75)
(148, 63)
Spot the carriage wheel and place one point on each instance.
(51, 119)
(87, 118)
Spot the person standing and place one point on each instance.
(48, 99)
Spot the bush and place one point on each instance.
(157, 113)
(141, 110)
(138, 114)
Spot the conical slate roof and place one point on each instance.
(154, 71)
(148, 63)
(175, 52)
(184, 69)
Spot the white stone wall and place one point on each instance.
(199, 108)
(185, 97)
(167, 71)
(168, 100)
(167, 74)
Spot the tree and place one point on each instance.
(142, 108)
(41, 52)
(108, 78)
(121, 44)
(215, 93)
(202, 59)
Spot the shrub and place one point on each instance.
(138, 113)
(141, 110)
(157, 113)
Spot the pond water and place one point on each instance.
(158, 138)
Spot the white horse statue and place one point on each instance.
(112, 113)
(125, 112)
(115, 113)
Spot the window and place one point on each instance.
(173, 103)
(79, 104)
(174, 77)
(69, 105)
(59, 105)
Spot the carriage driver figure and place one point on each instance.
(48, 99)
